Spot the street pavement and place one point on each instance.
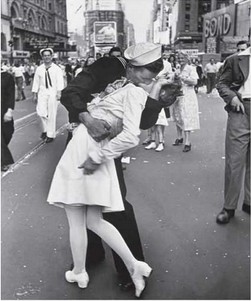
(176, 197)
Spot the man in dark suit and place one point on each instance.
(7, 124)
(235, 88)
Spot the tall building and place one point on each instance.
(35, 24)
(101, 14)
(187, 23)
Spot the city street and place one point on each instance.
(176, 197)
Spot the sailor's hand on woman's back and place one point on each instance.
(98, 129)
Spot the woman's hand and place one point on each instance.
(89, 166)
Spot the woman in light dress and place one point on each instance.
(85, 183)
(185, 109)
(156, 137)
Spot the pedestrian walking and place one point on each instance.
(185, 109)
(235, 88)
(199, 70)
(7, 123)
(19, 80)
(99, 170)
(210, 72)
(47, 85)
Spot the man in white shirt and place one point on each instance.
(47, 85)
(235, 88)
(210, 73)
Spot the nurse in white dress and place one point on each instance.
(185, 109)
(85, 182)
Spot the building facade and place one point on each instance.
(224, 27)
(178, 24)
(30, 25)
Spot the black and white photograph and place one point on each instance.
(125, 149)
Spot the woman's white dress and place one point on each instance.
(122, 110)
(185, 110)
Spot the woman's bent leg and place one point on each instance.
(109, 234)
(112, 237)
(78, 235)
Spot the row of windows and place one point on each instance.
(61, 28)
(60, 6)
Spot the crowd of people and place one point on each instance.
(109, 100)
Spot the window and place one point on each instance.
(43, 23)
(14, 11)
(187, 5)
(187, 27)
(3, 42)
(187, 18)
(49, 6)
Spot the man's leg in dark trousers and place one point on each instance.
(7, 131)
(126, 224)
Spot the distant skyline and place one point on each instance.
(137, 12)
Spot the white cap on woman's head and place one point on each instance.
(46, 49)
(143, 53)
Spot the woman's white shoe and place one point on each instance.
(82, 279)
(141, 270)
(152, 145)
(160, 147)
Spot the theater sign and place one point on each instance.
(220, 22)
(218, 25)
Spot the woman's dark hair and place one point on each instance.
(155, 66)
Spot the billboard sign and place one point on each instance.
(220, 22)
(105, 32)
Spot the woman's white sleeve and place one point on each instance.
(133, 106)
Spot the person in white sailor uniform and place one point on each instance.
(47, 86)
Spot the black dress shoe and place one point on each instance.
(48, 140)
(178, 141)
(224, 216)
(127, 286)
(246, 208)
(43, 135)
(187, 148)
